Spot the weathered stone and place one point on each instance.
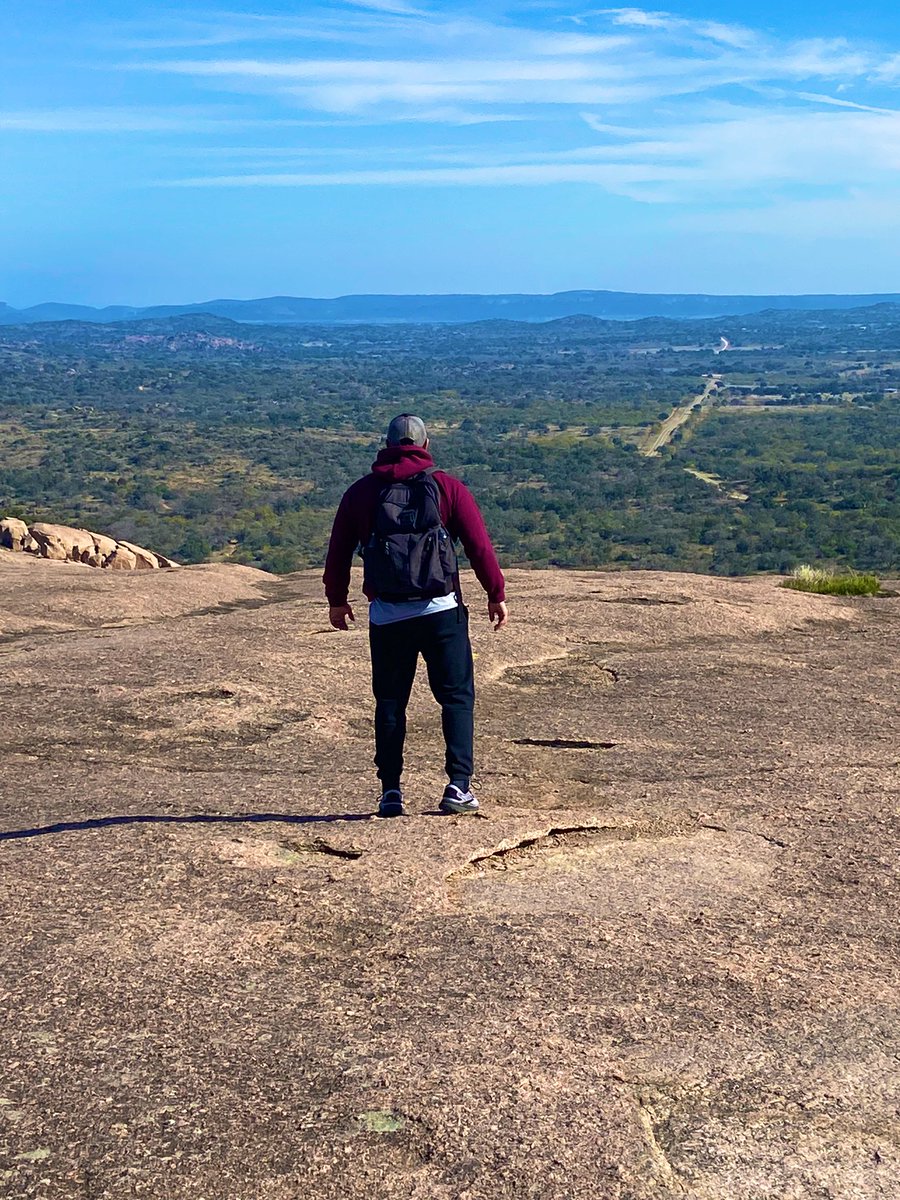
(61, 542)
(121, 559)
(66, 543)
(14, 534)
(48, 545)
(664, 965)
(103, 547)
(145, 560)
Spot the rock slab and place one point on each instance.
(62, 543)
(663, 963)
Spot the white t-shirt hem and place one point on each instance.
(386, 612)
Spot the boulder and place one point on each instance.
(104, 548)
(145, 560)
(121, 559)
(14, 535)
(165, 562)
(62, 542)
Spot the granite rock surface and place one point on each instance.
(63, 543)
(664, 963)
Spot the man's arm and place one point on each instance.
(341, 547)
(466, 522)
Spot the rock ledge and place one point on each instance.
(63, 543)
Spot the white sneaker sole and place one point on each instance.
(458, 809)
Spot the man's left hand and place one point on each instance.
(338, 615)
(498, 614)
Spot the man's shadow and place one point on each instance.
(10, 835)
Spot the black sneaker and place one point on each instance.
(455, 800)
(391, 804)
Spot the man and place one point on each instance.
(405, 516)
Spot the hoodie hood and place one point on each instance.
(401, 462)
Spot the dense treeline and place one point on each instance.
(202, 438)
(822, 485)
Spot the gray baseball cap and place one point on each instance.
(407, 428)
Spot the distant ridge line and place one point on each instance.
(450, 308)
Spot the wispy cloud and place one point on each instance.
(837, 102)
(394, 7)
(888, 70)
(323, 26)
(620, 177)
(633, 56)
(737, 36)
(645, 103)
(746, 152)
(143, 120)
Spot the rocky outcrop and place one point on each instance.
(144, 560)
(64, 543)
(14, 535)
(122, 560)
(104, 548)
(61, 542)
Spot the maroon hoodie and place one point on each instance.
(356, 516)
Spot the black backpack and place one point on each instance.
(410, 555)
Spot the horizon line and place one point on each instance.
(450, 295)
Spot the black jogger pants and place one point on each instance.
(443, 641)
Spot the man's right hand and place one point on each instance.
(338, 615)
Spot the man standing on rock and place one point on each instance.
(404, 517)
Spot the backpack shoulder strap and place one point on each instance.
(442, 493)
(429, 473)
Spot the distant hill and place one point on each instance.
(450, 309)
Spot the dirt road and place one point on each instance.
(659, 437)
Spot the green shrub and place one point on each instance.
(832, 583)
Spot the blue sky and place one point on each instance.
(151, 154)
